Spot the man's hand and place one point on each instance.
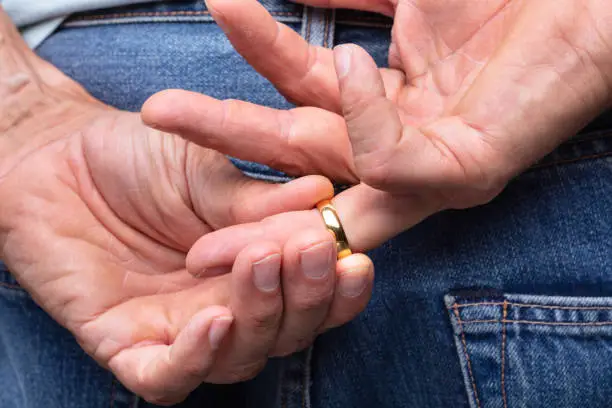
(476, 92)
(97, 215)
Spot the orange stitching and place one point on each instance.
(459, 305)
(503, 357)
(604, 323)
(309, 22)
(542, 322)
(593, 156)
(484, 321)
(535, 306)
(164, 14)
(467, 356)
(327, 24)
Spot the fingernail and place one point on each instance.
(266, 273)
(352, 283)
(218, 330)
(317, 261)
(342, 57)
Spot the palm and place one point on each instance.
(438, 58)
(133, 234)
(115, 207)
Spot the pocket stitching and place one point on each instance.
(467, 356)
(540, 322)
(503, 355)
(531, 306)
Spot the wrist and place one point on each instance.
(35, 97)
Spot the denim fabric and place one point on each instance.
(504, 305)
(41, 366)
(525, 351)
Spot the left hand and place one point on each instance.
(462, 110)
(97, 215)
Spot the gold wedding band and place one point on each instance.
(333, 224)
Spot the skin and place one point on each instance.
(476, 92)
(99, 212)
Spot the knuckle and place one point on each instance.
(264, 321)
(313, 300)
(372, 171)
(356, 109)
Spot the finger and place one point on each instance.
(298, 141)
(304, 74)
(369, 216)
(255, 200)
(238, 198)
(355, 277)
(372, 120)
(257, 304)
(165, 374)
(227, 243)
(309, 261)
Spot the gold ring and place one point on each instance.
(333, 224)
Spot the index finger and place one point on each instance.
(304, 74)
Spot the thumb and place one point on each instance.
(390, 155)
(166, 374)
(372, 121)
(161, 346)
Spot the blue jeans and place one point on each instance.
(504, 305)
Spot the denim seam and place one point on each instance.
(540, 322)
(163, 14)
(307, 376)
(308, 24)
(503, 357)
(364, 24)
(327, 27)
(467, 356)
(531, 306)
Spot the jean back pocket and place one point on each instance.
(534, 351)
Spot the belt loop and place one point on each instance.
(318, 26)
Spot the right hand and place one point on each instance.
(97, 215)
(476, 93)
